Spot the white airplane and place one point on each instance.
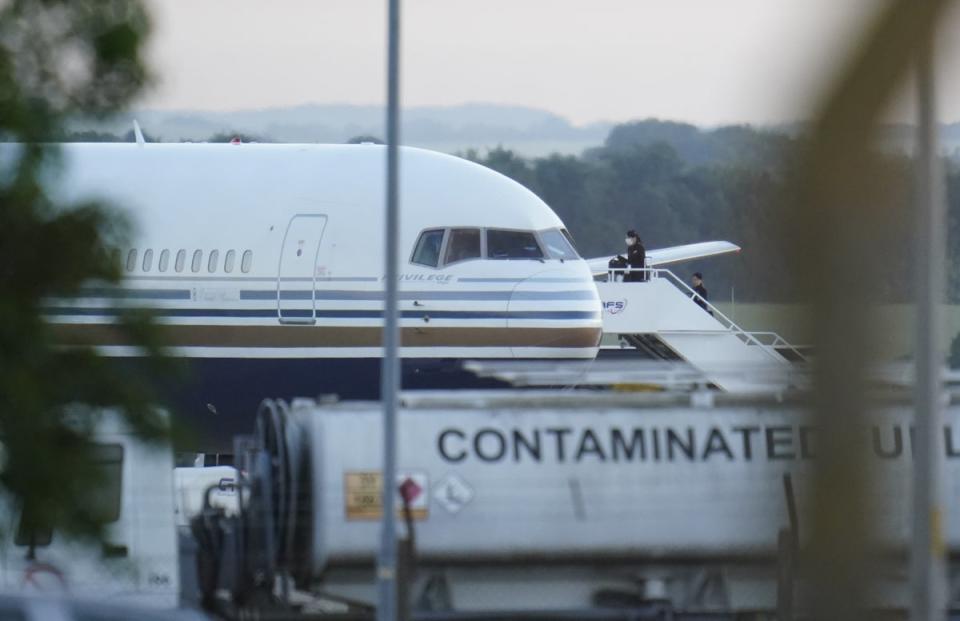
(264, 263)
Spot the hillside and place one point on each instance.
(530, 131)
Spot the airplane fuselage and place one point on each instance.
(264, 265)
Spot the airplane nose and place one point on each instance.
(558, 311)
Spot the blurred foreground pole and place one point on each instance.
(390, 373)
(846, 209)
(928, 566)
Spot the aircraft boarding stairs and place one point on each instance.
(658, 319)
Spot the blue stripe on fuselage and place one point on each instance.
(452, 296)
(62, 311)
(134, 294)
(343, 295)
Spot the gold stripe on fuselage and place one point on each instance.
(330, 336)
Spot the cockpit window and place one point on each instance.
(427, 250)
(512, 245)
(558, 245)
(462, 244)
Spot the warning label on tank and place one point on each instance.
(363, 492)
(452, 493)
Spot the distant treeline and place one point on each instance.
(100, 136)
(676, 184)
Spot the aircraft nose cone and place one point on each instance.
(559, 312)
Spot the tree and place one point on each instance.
(506, 162)
(678, 184)
(230, 136)
(51, 249)
(363, 139)
(90, 135)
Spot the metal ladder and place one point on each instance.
(771, 343)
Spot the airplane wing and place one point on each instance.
(672, 254)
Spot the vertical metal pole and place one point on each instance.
(928, 571)
(390, 372)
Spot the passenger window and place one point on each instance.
(147, 260)
(197, 260)
(512, 245)
(427, 250)
(164, 260)
(229, 260)
(132, 260)
(558, 246)
(462, 244)
(246, 261)
(212, 261)
(181, 260)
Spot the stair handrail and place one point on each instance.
(730, 325)
(779, 342)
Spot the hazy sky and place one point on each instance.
(704, 61)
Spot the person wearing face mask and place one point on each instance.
(636, 258)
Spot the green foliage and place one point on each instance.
(677, 184)
(89, 135)
(364, 138)
(229, 136)
(49, 250)
(738, 145)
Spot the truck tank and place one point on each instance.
(569, 495)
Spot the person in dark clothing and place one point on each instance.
(701, 292)
(636, 258)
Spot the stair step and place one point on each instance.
(794, 355)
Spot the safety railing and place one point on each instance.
(778, 342)
(750, 338)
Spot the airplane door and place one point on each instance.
(296, 279)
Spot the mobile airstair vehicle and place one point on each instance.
(658, 318)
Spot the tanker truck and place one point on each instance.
(533, 504)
